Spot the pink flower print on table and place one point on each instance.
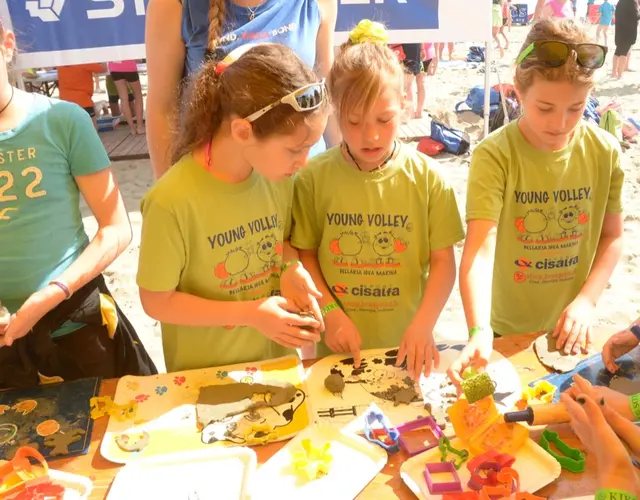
(179, 380)
(251, 370)
(141, 398)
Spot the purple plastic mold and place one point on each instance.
(454, 486)
(428, 423)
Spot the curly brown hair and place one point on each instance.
(359, 73)
(261, 76)
(564, 30)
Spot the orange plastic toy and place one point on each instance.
(19, 475)
(481, 427)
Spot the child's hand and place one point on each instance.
(573, 329)
(618, 345)
(276, 319)
(419, 349)
(592, 428)
(341, 335)
(475, 355)
(297, 285)
(614, 399)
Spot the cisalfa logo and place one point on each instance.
(546, 264)
(365, 291)
(45, 10)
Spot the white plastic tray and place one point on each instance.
(355, 463)
(536, 468)
(220, 473)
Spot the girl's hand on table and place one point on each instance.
(618, 345)
(614, 400)
(588, 421)
(297, 285)
(573, 329)
(341, 335)
(419, 349)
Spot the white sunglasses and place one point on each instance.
(306, 98)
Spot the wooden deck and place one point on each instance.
(121, 145)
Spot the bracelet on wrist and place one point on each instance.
(328, 308)
(634, 401)
(613, 494)
(63, 287)
(475, 330)
(288, 264)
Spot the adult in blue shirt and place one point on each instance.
(606, 19)
(181, 34)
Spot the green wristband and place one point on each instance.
(328, 308)
(475, 330)
(635, 405)
(611, 494)
(289, 264)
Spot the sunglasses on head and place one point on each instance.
(554, 53)
(306, 98)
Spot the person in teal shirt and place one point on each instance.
(606, 19)
(63, 323)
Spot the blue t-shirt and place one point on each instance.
(41, 226)
(293, 23)
(606, 14)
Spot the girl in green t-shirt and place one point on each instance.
(216, 268)
(543, 204)
(374, 220)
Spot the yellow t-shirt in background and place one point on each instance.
(374, 233)
(550, 208)
(218, 241)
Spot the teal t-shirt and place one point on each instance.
(41, 226)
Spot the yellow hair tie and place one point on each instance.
(369, 31)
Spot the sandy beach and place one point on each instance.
(620, 303)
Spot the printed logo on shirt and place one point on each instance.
(366, 291)
(20, 180)
(544, 271)
(253, 254)
(372, 251)
(548, 230)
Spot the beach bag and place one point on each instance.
(454, 141)
(611, 121)
(475, 101)
(590, 110)
(476, 54)
(430, 147)
(398, 51)
(498, 119)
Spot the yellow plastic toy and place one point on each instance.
(101, 406)
(312, 462)
(542, 391)
(481, 427)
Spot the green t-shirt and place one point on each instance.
(218, 241)
(550, 208)
(374, 233)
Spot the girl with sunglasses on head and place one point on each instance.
(374, 220)
(544, 213)
(182, 34)
(214, 255)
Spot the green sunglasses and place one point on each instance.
(555, 53)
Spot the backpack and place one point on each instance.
(475, 101)
(590, 110)
(611, 121)
(455, 141)
(513, 111)
(430, 147)
(476, 54)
